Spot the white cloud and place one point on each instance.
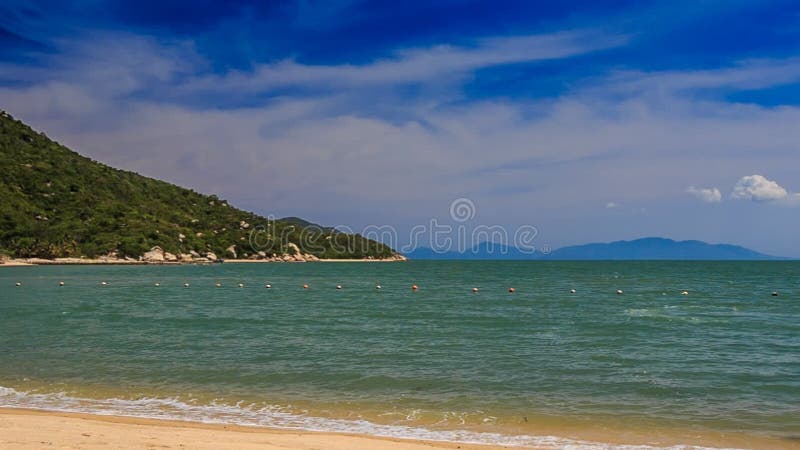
(708, 195)
(758, 188)
(414, 65)
(391, 157)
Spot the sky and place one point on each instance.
(584, 120)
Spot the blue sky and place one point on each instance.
(588, 120)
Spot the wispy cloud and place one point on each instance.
(708, 195)
(414, 65)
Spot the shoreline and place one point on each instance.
(104, 262)
(33, 429)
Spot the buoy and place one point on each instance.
(572, 291)
(512, 290)
(685, 293)
(414, 287)
(267, 286)
(474, 290)
(103, 283)
(377, 286)
(217, 284)
(157, 284)
(60, 283)
(241, 285)
(774, 294)
(185, 284)
(338, 286)
(305, 286)
(619, 291)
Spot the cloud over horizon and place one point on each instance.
(760, 189)
(708, 195)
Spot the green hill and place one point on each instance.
(57, 203)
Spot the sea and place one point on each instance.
(544, 354)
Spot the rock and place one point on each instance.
(287, 258)
(231, 251)
(194, 254)
(293, 249)
(186, 257)
(211, 256)
(181, 237)
(262, 254)
(170, 257)
(244, 225)
(199, 234)
(156, 254)
(299, 258)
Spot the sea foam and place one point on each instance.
(278, 417)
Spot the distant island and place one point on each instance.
(58, 205)
(650, 248)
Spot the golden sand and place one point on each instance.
(26, 429)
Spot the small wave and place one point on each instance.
(278, 417)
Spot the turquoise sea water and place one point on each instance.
(439, 363)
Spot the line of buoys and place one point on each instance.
(414, 287)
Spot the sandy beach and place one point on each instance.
(30, 429)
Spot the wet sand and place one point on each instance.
(29, 429)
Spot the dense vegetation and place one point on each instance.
(57, 203)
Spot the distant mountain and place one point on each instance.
(56, 203)
(650, 248)
(658, 248)
(484, 250)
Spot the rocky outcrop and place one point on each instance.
(169, 257)
(211, 256)
(231, 251)
(155, 255)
